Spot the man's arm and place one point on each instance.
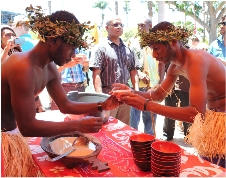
(58, 94)
(23, 104)
(197, 93)
(134, 79)
(67, 65)
(97, 80)
(179, 113)
(79, 59)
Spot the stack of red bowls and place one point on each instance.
(165, 159)
(141, 149)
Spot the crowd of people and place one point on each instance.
(190, 81)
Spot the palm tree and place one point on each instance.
(101, 5)
(126, 9)
(150, 11)
(116, 7)
(152, 7)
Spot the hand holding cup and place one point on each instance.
(79, 58)
(117, 93)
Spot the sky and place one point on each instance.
(84, 12)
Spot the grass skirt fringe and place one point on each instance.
(18, 161)
(208, 135)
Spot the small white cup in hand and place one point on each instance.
(82, 56)
(79, 58)
(117, 93)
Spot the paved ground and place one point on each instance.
(178, 136)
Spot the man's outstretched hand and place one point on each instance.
(90, 124)
(119, 86)
(110, 103)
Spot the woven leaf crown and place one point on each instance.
(170, 33)
(71, 32)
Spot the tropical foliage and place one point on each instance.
(101, 5)
(206, 13)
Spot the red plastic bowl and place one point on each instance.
(165, 154)
(142, 138)
(164, 173)
(141, 148)
(167, 158)
(156, 160)
(143, 165)
(158, 169)
(142, 157)
(165, 148)
(141, 145)
(173, 166)
(142, 154)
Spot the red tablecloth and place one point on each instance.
(114, 137)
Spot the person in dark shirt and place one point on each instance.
(112, 61)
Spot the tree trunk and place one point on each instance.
(116, 7)
(161, 11)
(212, 35)
(150, 12)
(212, 23)
(213, 29)
(49, 5)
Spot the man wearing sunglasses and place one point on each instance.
(218, 47)
(112, 61)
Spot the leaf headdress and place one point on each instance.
(177, 33)
(71, 32)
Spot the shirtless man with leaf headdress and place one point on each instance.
(206, 75)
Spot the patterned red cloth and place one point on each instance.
(114, 137)
(2, 164)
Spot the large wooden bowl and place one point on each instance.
(71, 161)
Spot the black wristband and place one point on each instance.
(99, 106)
(145, 104)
